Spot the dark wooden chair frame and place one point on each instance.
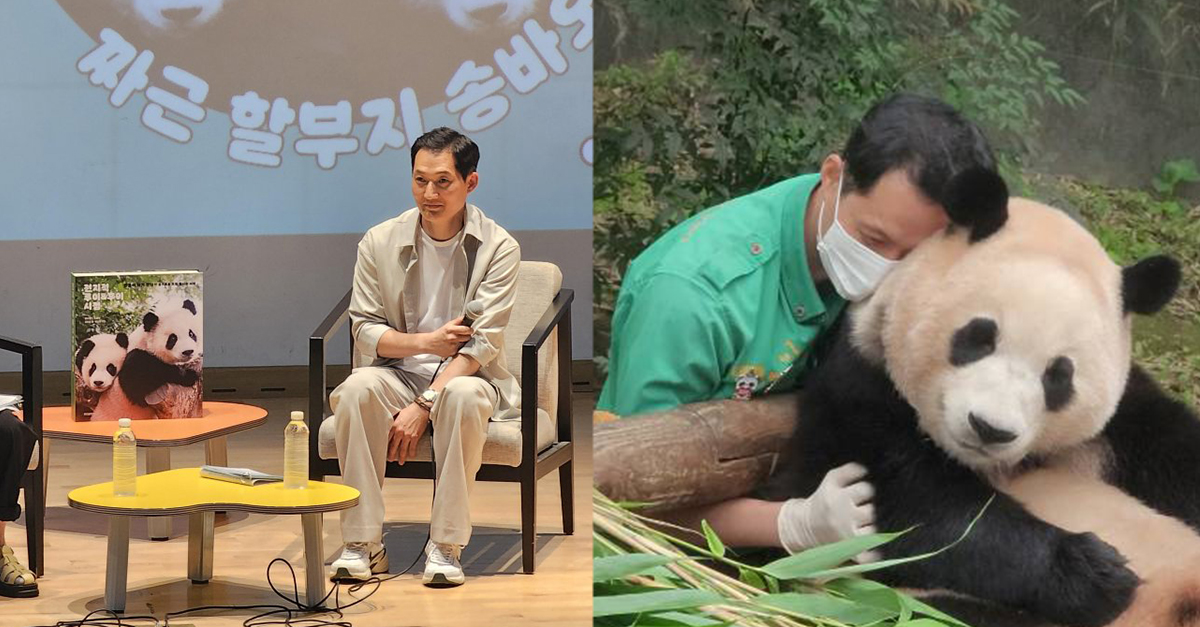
(534, 465)
(32, 481)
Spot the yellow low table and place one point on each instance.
(183, 491)
(157, 437)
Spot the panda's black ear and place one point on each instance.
(84, 350)
(190, 306)
(149, 321)
(1148, 285)
(122, 340)
(977, 198)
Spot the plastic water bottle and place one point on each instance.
(295, 452)
(124, 460)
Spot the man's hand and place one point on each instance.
(840, 508)
(446, 341)
(406, 431)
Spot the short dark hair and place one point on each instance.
(466, 153)
(925, 136)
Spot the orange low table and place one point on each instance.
(158, 436)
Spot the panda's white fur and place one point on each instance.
(175, 337)
(1072, 309)
(99, 358)
(948, 385)
(1053, 291)
(1162, 550)
(161, 373)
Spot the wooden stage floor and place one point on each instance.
(496, 592)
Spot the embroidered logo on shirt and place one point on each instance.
(747, 382)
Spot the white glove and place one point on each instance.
(840, 508)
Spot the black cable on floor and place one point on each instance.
(295, 616)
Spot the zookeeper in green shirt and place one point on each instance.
(724, 304)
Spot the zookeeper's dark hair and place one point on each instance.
(466, 153)
(925, 136)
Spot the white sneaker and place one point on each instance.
(358, 561)
(441, 565)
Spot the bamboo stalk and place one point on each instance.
(631, 530)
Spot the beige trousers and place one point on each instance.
(364, 406)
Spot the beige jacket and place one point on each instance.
(485, 269)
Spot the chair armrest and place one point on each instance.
(557, 315)
(31, 380)
(559, 307)
(333, 320)
(316, 373)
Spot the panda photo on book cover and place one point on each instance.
(137, 345)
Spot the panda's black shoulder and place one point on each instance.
(141, 358)
(142, 369)
(849, 411)
(1146, 413)
(841, 372)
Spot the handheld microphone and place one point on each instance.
(474, 310)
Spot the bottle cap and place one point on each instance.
(124, 423)
(298, 415)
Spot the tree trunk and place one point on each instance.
(693, 454)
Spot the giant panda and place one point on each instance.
(97, 361)
(164, 351)
(99, 358)
(995, 360)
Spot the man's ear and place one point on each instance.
(831, 169)
(472, 181)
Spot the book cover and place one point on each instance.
(137, 345)
(244, 476)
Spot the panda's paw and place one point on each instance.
(189, 378)
(1089, 582)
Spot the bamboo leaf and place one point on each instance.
(655, 601)
(826, 606)
(714, 543)
(864, 568)
(620, 566)
(752, 578)
(817, 559)
(681, 618)
(921, 607)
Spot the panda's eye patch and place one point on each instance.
(192, 334)
(171, 341)
(92, 370)
(112, 370)
(974, 341)
(1057, 382)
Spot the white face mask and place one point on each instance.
(855, 269)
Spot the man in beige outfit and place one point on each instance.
(414, 275)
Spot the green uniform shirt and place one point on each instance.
(720, 306)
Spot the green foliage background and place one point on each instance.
(770, 87)
(760, 90)
(125, 314)
(746, 92)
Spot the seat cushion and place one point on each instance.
(503, 445)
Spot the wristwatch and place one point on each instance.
(427, 398)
